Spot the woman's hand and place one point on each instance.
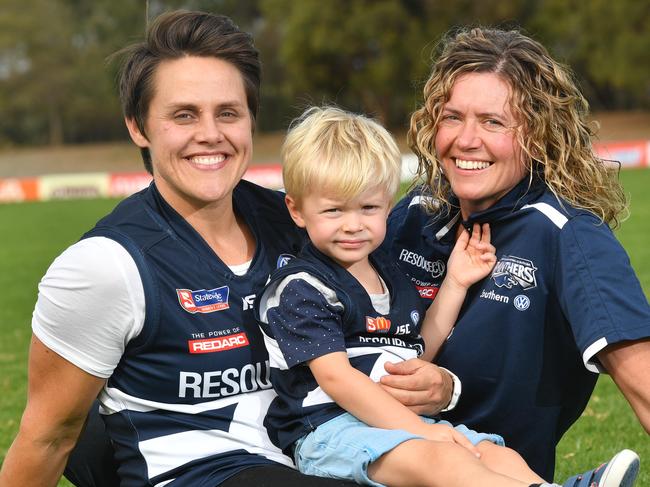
(421, 386)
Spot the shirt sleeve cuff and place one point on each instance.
(589, 356)
(455, 393)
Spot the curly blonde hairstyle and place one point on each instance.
(553, 133)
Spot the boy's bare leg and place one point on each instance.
(507, 462)
(437, 464)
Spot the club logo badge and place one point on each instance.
(513, 271)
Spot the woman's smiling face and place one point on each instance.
(476, 141)
(199, 131)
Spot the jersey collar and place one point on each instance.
(179, 228)
(526, 191)
(442, 228)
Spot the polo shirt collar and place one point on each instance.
(442, 228)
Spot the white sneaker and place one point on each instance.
(620, 471)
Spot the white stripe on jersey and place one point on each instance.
(445, 230)
(244, 433)
(555, 216)
(315, 397)
(167, 452)
(276, 358)
(389, 353)
(113, 400)
(422, 199)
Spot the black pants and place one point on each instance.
(280, 476)
(91, 464)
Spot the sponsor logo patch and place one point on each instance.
(379, 324)
(434, 267)
(283, 259)
(248, 301)
(218, 344)
(494, 296)
(204, 300)
(521, 302)
(427, 292)
(513, 271)
(415, 317)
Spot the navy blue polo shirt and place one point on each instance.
(525, 342)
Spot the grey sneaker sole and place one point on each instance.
(621, 471)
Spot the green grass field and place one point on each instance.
(32, 234)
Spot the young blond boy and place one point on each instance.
(339, 311)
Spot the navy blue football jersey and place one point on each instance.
(306, 320)
(525, 342)
(186, 403)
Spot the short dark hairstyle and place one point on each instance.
(176, 34)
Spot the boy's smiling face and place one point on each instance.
(346, 230)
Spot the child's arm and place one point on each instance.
(471, 260)
(367, 401)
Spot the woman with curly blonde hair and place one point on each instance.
(502, 138)
(550, 113)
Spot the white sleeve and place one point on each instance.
(90, 305)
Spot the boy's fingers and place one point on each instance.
(463, 238)
(476, 233)
(485, 236)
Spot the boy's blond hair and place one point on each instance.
(338, 152)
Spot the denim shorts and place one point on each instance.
(343, 447)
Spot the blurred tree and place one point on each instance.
(53, 78)
(358, 54)
(244, 12)
(368, 54)
(606, 43)
(365, 55)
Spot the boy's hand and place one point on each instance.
(472, 258)
(443, 432)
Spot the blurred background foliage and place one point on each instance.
(373, 56)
